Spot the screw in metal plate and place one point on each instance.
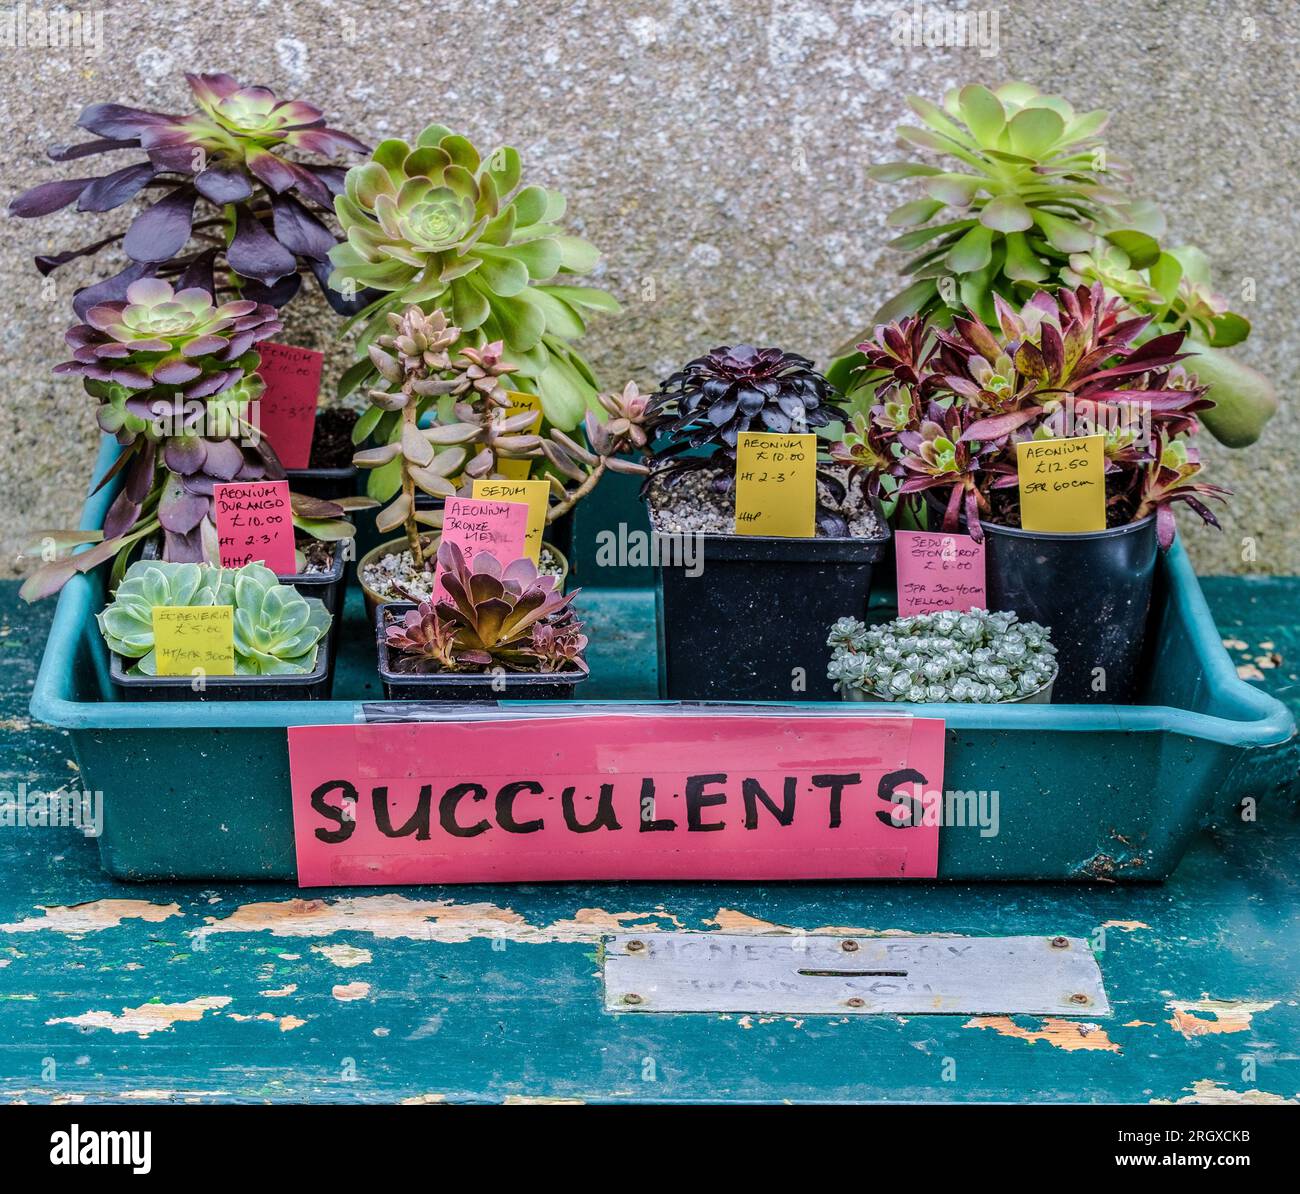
(856, 1001)
(635, 947)
(1060, 943)
(849, 947)
(632, 997)
(1080, 998)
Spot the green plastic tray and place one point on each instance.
(1088, 792)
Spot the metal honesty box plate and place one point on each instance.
(816, 974)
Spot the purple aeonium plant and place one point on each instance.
(235, 213)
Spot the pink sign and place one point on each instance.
(617, 797)
(255, 523)
(286, 411)
(938, 571)
(484, 524)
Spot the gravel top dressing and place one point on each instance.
(696, 505)
(417, 584)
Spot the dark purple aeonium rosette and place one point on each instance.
(263, 233)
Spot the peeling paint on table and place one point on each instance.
(178, 993)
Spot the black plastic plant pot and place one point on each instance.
(309, 686)
(463, 686)
(751, 624)
(1092, 589)
(328, 484)
(326, 587)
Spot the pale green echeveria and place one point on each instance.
(276, 629)
(439, 226)
(127, 623)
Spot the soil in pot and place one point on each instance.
(748, 621)
(331, 445)
(330, 473)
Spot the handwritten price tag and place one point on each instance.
(198, 638)
(286, 411)
(776, 484)
(536, 494)
(939, 571)
(517, 470)
(255, 523)
(474, 525)
(1062, 484)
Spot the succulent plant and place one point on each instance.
(262, 233)
(439, 226)
(418, 376)
(173, 374)
(490, 616)
(277, 631)
(712, 399)
(973, 657)
(949, 415)
(1031, 199)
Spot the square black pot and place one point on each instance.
(759, 609)
(310, 686)
(459, 686)
(328, 484)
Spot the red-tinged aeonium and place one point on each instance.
(1069, 364)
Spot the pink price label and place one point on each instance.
(255, 525)
(938, 571)
(617, 797)
(286, 411)
(484, 524)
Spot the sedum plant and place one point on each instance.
(277, 631)
(1023, 196)
(492, 616)
(239, 206)
(972, 657)
(172, 374)
(418, 376)
(437, 225)
(957, 401)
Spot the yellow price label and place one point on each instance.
(1062, 483)
(536, 493)
(194, 638)
(517, 470)
(776, 484)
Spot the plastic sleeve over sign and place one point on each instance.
(645, 792)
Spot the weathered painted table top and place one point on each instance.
(249, 993)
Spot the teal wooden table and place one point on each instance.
(252, 993)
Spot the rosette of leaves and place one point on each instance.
(277, 631)
(173, 374)
(491, 616)
(239, 207)
(1071, 363)
(1024, 196)
(712, 399)
(439, 226)
(970, 657)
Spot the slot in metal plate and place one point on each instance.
(823, 975)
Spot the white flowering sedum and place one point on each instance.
(975, 656)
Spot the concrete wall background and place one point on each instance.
(716, 152)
